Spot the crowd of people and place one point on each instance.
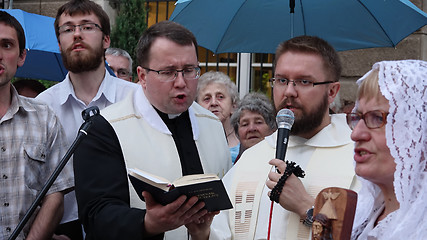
(173, 121)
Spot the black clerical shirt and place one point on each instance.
(182, 134)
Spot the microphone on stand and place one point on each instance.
(285, 119)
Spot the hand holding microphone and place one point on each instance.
(285, 119)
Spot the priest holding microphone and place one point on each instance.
(319, 152)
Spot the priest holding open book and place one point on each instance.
(158, 129)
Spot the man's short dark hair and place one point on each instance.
(32, 84)
(315, 45)
(83, 7)
(169, 30)
(11, 21)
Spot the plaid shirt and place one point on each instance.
(32, 142)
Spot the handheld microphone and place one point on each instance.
(285, 118)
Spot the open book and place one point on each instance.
(207, 187)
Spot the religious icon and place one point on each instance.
(328, 208)
(322, 227)
(334, 211)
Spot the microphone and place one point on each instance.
(285, 118)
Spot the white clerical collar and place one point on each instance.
(172, 116)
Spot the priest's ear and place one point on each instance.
(333, 89)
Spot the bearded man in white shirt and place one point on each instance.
(83, 32)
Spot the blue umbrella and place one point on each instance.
(258, 26)
(43, 59)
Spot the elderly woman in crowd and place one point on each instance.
(253, 120)
(390, 133)
(217, 93)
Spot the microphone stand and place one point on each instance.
(87, 114)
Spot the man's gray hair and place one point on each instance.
(258, 103)
(118, 52)
(221, 78)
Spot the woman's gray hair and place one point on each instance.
(258, 103)
(221, 78)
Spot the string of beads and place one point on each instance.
(291, 167)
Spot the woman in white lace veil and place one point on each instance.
(404, 86)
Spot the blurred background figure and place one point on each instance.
(346, 106)
(391, 151)
(29, 87)
(120, 62)
(217, 93)
(253, 120)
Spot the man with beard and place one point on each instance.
(83, 31)
(306, 74)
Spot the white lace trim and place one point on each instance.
(404, 85)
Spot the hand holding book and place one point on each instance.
(207, 187)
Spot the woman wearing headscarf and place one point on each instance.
(391, 151)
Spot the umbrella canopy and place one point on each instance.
(43, 59)
(258, 26)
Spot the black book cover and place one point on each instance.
(207, 187)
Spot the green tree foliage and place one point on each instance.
(130, 23)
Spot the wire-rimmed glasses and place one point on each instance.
(299, 83)
(188, 73)
(85, 28)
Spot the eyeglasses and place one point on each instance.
(300, 83)
(372, 119)
(188, 73)
(122, 73)
(85, 28)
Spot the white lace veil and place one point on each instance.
(404, 85)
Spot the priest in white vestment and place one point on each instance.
(306, 81)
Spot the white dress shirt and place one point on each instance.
(62, 99)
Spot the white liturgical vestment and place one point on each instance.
(326, 158)
(148, 144)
